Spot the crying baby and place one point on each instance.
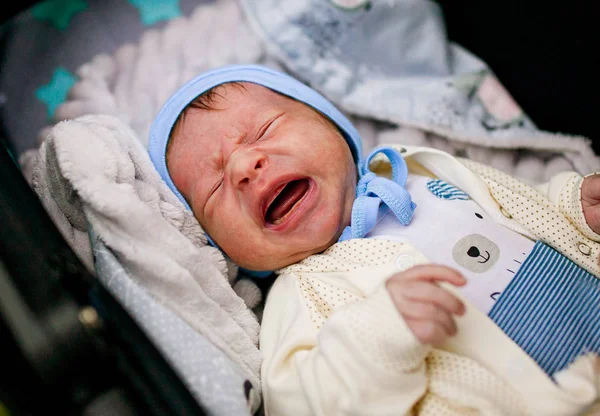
(409, 281)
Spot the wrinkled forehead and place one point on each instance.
(279, 82)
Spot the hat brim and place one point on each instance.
(160, 131)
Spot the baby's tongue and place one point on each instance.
(285, 201)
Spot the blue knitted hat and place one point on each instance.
(275, 80)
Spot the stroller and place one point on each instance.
(67, 345)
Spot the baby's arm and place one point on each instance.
(365, 358)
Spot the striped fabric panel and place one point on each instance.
(444, 190)
(551, 309)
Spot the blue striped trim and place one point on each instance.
(551, 309)
(444, 190)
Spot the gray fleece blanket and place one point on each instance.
(94, 172)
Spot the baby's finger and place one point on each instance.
(418, 311)
(430, 272)
(428, 332)
(428, 292)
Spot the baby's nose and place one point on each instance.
(246, 166)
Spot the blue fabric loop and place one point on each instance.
(399, 168)
(374, 192)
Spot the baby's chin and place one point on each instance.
(273, 254)
(275, 261)
(272, 263)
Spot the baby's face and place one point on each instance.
(271, 180)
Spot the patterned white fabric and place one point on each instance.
(462, 108)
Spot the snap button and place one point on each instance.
(584, 249)
(405, 261)
(505, 213)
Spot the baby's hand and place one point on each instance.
(427, 308)
(590, 201)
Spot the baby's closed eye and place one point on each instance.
(215, 187)
(266, 127)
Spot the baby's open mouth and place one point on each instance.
(285, 201)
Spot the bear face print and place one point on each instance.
(476, 253)
(450, 228)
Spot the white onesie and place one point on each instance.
(451, 229)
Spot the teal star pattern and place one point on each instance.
(55, 92)
(59, 12)
(153, 11)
